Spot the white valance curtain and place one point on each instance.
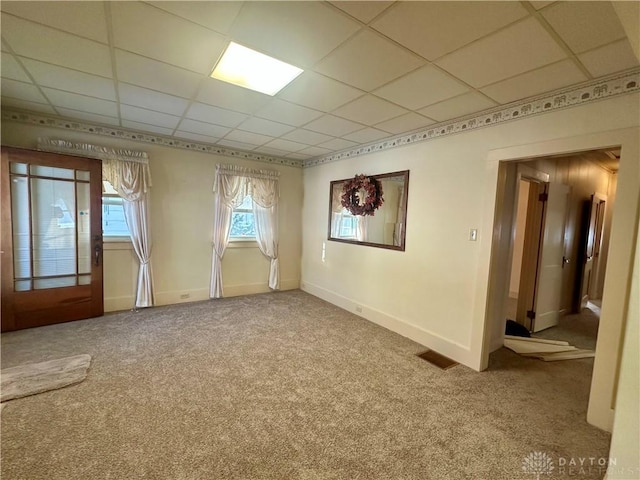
(128, 172)
(231, 185)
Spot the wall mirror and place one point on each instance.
(385, 228)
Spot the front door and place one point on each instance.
(51, 238)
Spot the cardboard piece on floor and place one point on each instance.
(539, 340)
(527, 347)
(552, 357)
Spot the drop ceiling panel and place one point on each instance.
(218, 16)
(146, 127)
(334, 126)
(142, 115)
(509, 52)
(59, 98)
(405, 123)
(25, 105)
(315, 151)
(86, 19)
(611, 58)
(584, 25)
(12, 69)
(265, 127)
(338, 144)
(289, 113)
(196, 137)
(202, 128)
(328, 94)
(300, 33)
(535, 82)
(22, 91)
(215, 115)
(88, 117)
(142, 29)
(61, 78)
(239, 145)
(538, 5)
(422, 87)
(465, 104)
(224, 95)
(368, 61)
(151, 100)
(306, 136)
(286, 145)
(363, 11)
(248, 137)
(367, 135)
(156, 75)
(53, 46)
(369, 110)
(433, 29)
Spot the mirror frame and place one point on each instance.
(401, 247)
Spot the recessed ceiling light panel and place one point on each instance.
(254, 70)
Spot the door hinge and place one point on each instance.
(531, 314)
(543, 197)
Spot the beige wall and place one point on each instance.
(181, 206)
(437, 291)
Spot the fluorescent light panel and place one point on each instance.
(254, 70)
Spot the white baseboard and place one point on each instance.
(184, 296)
(453, 350)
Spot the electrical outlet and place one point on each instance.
(184, 295)
(473, 234)
(358, 309)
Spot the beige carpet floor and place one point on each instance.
(284, 386)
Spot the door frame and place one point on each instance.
(621, 249)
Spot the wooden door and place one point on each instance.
(594, 210)
(548, 292)
(51, 239)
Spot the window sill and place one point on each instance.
(242, 243)
(116, 243)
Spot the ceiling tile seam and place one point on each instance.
(112, 55)
(188, 20)
(625, 38)
(483, 37)
(591, 91)
(37, 85)
(18, 115)
(191, 101)
(557, 38)
(157, 60)
(351, 17)
(61, 66)
(67, 32)
(512, 77)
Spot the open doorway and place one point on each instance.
(560, 211)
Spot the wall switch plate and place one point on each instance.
(473, 234)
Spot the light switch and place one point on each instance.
(473, 234)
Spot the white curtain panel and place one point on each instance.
(232, 184)
(136, 214)
(128, 171)
(229, 191)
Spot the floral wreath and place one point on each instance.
(351, 191)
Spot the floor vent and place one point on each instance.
(438, 360)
